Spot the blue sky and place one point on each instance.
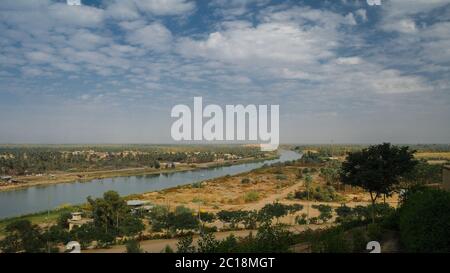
(110, 71)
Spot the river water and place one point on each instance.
(41, 198)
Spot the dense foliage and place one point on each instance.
(20, 160)
(268, 239)
(424, 222)
(377, 169)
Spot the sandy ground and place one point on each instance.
(226, 194)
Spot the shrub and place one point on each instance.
(245, 180)
(197, 185)
(207, 243)
(302, 219)
(251, 196)
(425, 222)
(374, 231)
(344, 214)
(168, 249)
(325, 212)
(331, 241)
(359, 240)
(321, 194)
(281, 177)
(133, 246)
(184, 245)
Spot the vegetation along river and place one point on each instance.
(41, 198)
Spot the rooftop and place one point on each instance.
(136, 203)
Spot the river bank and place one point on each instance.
(70, 177)
(35, 199)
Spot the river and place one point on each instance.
(42, 198)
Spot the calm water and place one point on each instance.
(41, 198)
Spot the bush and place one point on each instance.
(168, 249)
(326, 212)
(321, 194)
(424, 222)
(331, 241)
(245, 180)
(133, 246)
(281, 177)
(251, 196)
(184, 245)
(375, 232)
(344, 214)
(359, 240)
(302, 220)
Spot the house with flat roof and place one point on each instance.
(139, 206)
(77, 220)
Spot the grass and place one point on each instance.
(433, 155)
(37, 218)
(251, 196)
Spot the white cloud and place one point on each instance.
(39, 57)
(263, 44)
(84, 39)
(76, 15)
(401, 25)
(350, 19)
(154, 37)
(398, 14)
(230, 9)
(131, 9)
(392, 82)
(403, 8)
(362, 14)
(348, 60)
(122, 10)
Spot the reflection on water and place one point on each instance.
(41, 198)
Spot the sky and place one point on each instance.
(110, 71)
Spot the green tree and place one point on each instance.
(344, 213)
(230, 216)
(377, 169)
(131, 225)
(184, 245)
(62, 219)
(207, 243)
(133, 246)
(22, 236)
(423, 173)
(158, 217)
(109, 212)
(275, 209)
(325, 212)
(424, 222)
(250, 219)
(182, 219)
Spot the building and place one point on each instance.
(77, 220)
(6, 178)
(139, 206)
(446, 177)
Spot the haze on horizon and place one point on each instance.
(110, 71)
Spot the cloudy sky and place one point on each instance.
(110, 71)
